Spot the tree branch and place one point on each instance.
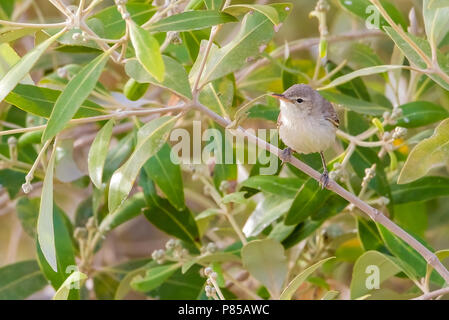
(373, 213)
(433, 294)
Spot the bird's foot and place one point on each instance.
(324, 179)
(285, 155)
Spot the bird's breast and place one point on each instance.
(305, 132)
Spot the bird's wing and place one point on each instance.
(330, 114)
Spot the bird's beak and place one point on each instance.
(280, 97)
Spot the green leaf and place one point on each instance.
(363, 269)
(73, 96)
(175, 78)
(131, 208)
(21, 68)
(354, 104)
(45, 229)
(369, 236)
(427, 154)
(266, 10)
(7, 7)
(411, 262)
(192, 41)
(265, 260)
(412, 216)
(167, 218)
(105, 285)
(435, 22)
(112, 24)
(9, 34)
(187, 286)
(65, 253)
(224, 170)
(330, 295)
(192, 20)
(118, 154)
(209, 258)
(291, 288)
(98, 152)
(150, 138)
(40, 101)
(309, 198)
(365, 10)
(167, 175)
(8, 58)
(147, 51)
(75, 280)
(27, 212)
(364, 158)
(421, 113)
(272, 184)
(270, 209)
(154, 277)
(426, 188)
(20, 280)
(218, 96)
(12, 181)
(360, 73)
(416, 59)
(256, 30)
(235, 197)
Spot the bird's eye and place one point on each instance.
(299, 100)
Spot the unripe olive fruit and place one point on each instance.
(134, 90)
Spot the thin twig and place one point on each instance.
(33, 25)
(305, 44)
(433, 294)
(117, 115)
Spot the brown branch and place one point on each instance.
(433, 294)
(373, 213)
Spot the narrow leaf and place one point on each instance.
(20, 280)
(360, 73)
(147, 51)
(75, 280)
(73, 96)
(427, 154)
(98, 152)
(21, 68)
(266, 10)
(167, 175)
(154, 277)
(290, 290)
(45, 229)
(192, 20)
(150, 138)
(175, 78)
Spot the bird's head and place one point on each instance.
(298, 95)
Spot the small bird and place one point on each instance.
(307, 123)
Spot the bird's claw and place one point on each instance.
(285, 155)
(324, 179)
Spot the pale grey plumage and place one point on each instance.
(320, 106)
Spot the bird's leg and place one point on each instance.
(324, 179)
(285, 155)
